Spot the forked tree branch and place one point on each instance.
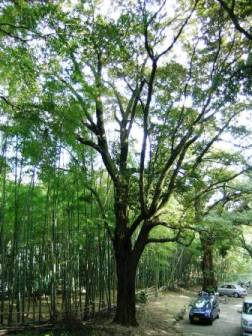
(176, 37)
(234, 19)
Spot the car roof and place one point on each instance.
(206, 298)
(248, 299)
(201, 300)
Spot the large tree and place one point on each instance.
(147, 87)
(213, 190)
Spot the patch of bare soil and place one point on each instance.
(158, 317)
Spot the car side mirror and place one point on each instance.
(239, 310)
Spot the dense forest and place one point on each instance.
(125, 152)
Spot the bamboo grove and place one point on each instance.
(47, 272)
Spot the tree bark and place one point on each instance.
(126, 274)
(209, 281)
(126, 259)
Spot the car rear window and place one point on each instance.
(200, 303)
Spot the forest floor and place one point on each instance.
(159, 317)
(165, 315)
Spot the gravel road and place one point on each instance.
(227, 325)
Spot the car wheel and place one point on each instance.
(236, 295)
(210, 321)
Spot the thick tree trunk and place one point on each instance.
(126, 274)
(126, 261)
(209, 281)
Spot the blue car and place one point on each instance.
(205, 309)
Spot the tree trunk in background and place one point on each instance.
(3, 171)
(209, 281)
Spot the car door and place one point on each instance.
(223, 289)
(234, 290)
(230, 290)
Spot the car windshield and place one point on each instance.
(201, 303)
(247, 308)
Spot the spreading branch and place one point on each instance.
(245, 245)
(7, 101)
(176, 238)
(234, 19)
(176, 37)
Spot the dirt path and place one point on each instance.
(159, 317)
(156, 318)
(161, 314)
(167, 315)
(227, 325)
